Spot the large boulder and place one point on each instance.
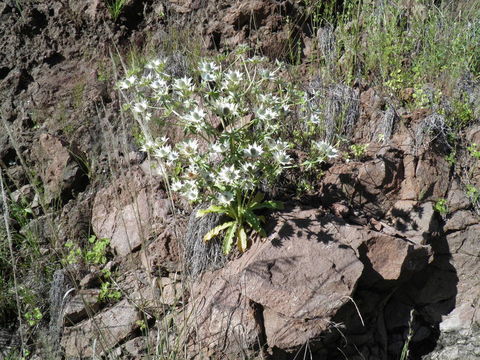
(300, 273)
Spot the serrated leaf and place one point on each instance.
(254, 222)
(272, 205)
(212, 209)
(216, 230)
(228, 239)
(241, 239)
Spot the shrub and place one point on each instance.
(233, 111)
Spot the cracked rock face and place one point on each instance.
(286, 290)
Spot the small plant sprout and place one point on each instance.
(358, 150)
(441, 206)
(115, 8)
(232, 115)
(33, 316)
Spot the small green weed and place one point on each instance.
(115, 8)
(473, 193)
(33, 316)
(108, 293)
(241, 210)
(474, 151)
(358, 150)
(451, 158)
(97, 254)
(441, 206)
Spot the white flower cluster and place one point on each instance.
(233, 123)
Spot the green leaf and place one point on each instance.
(259, 196)
(241, 239)
(254, 222)
(273, 205)
(228, 239)
(216, 230)
(212, 209)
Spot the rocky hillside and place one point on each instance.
(375, 254)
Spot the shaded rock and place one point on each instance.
(465, 241)
(90, 280)
(365, 184)
(457, 198)
(102, 332)
(426, 175)
(84, 303)
(393, 258)
(414, 220)
(129, 211)
(135, 347)
(284, 333)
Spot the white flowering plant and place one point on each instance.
(233, 119)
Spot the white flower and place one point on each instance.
(183, 84)
(282, 158)
(253, 151)
(161, 140)
(225, 197)
(249, 167)
(155, 63)
(147, 78)
(315, 119)
(127, 83)
(228, 175)
(172, 157)
(159, 84)
(189, 147)
(225, 107)
(147, 116)
(218, 148)
(277, 145)
(267, 74)
(208, 70)
(191, 172)
(176, 186)
(148, 146)
(140, 106)
(196, 116)
(163, 151)
(190, 190)
(265, 114)
(233, 77)
(191, 194)
(326, 150)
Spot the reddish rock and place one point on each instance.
(414, 220)
(85, 303)
(391, 256)
(60, 172)
(101, 333)
(221, 316)
(129, 211)
(299, 273)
